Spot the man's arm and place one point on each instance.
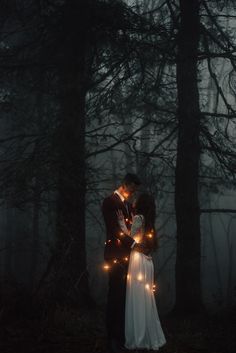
(141, 248)
(111, 220)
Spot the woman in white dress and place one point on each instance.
(142, 325)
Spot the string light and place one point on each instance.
(106, 267)
(140, 277)
(137, 238)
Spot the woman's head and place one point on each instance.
(145, 205)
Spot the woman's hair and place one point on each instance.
(145, 205)
(131, 179)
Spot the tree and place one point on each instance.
(71, 149)
(188, 264)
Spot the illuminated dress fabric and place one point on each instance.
(142, 324)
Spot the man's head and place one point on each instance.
(129, 185)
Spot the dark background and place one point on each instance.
(90, 90)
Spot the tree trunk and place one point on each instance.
(72, 281)
(142, 160)
(35, 249)
(188, 262)
(9, 252)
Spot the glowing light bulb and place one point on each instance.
(106, 267)
(140, 277)
(126, 259)
(149, 235)
(115, 261)
(121, 233)
(126, 219)
(147, 286)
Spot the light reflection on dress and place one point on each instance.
(142, 325)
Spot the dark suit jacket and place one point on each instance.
(117, 246)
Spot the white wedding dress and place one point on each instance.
(142, 325)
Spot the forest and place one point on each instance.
(91, 90)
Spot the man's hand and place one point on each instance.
(141, 248)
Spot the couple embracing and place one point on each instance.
(132, 318)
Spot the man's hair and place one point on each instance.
(131, 179)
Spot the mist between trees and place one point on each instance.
(91, 90)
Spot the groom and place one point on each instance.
(116, 254)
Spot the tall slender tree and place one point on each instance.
(71, 147)
(188, 264)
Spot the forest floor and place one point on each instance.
(86, 334)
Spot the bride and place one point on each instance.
(142, 325)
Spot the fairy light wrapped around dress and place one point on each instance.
(142, 324)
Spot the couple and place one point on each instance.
(132, 317)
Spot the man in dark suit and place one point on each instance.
(116, 254)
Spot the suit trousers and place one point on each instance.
(115, 315)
